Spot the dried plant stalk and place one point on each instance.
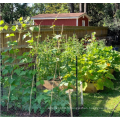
(31, 92)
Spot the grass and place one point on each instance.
(101, 104)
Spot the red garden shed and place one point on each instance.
(67, 19)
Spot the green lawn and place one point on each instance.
(101, 104)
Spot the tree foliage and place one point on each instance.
(12, 11)
(37, 8)
(99, 12)
(56, 8)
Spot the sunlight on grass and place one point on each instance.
(101, 104)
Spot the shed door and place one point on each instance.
(83, 22)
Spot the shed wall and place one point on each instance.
(58, 22)
(80, 21)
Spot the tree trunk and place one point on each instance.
(71, 7)
(81, 7)
(12, 14)
(87, 7)
(116, 6)
(84, 7)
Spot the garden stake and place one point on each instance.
(35, 78)
(52, 89)
(9, 94)
(8, 98)
(70, 103)
(81, 93)
(31, 93)
(76, 90)
(0, 81)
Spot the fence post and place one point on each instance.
(1, 85)
(76, 89)
(35, 77)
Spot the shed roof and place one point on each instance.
(60, 16)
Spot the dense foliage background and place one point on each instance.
(101, 13)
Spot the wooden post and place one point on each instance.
(70, 103)
(1, 85)
(81, 93)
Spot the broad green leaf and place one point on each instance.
(23, 60)
(5, 27)
(5, 97)
(27, 90)
(10, 60)
(12, 34)
(52, 26)
(38, 83)
(12, 87)
(9, 35)
(14, 98)
(11, 51)
(108, 83)
(35, 107)
(32, 28)
(50, 77)
(39, 98)
(38, 36)
(3, 103)
(0, 78)
(109, 75)
(22, 73)
(99, 85)
(45, 91)
(41, 82)
(17, 82)
(103, 66)
(36, 28)
(1, 28)
(13, 28)
(26, 53)
(19, 57)
(34, 72)
(17, 71)
(30, 41)
(34, 89)
(20, 19)
(23, 25)
(1, 22)
(11, 80)
(84, 84)
(42, 110)
(5, 71)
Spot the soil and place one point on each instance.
(20, 113)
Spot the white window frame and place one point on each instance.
(83, 22)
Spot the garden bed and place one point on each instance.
(20, 113)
